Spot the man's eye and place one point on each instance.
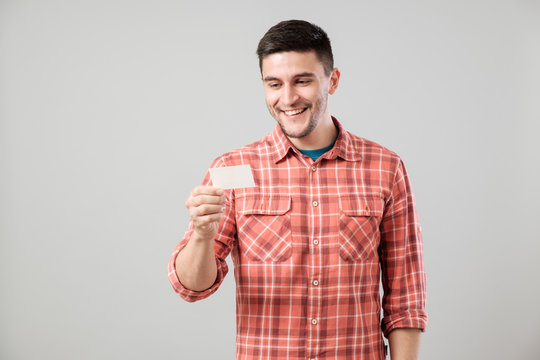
(273, 85)
(303, 82)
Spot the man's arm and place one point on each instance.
(196, 263)
(403, 276)
(404, 344)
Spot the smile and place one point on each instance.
(294, 112)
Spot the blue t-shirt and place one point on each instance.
(315, 154)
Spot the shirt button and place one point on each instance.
(315, 242)
(314, 321)
(313, 168)
(315, 282)
(315, 203)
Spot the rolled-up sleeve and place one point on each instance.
(222, 246)
(403, 276)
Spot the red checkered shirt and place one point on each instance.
(310, 245)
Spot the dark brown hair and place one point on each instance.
(297, 35)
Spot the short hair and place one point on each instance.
(297, 35)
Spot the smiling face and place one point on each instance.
(296, 89)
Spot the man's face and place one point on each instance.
(296, 90)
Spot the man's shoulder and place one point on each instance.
(370, 148)
(246, 154)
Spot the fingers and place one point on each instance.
(206, 205)
(206, 209)
(202, 222)
(201, 200)
(202, 195)
(207, 190)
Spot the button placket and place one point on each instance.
(314, 289)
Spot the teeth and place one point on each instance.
(293, 112)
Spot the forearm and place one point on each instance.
(404, 344)
(196, 264)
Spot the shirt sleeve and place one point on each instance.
(223, 243)
(403, 276)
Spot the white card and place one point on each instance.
(232, 177)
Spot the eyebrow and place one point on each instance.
(304, 74)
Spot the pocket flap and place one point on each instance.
(272, 205)
(362, 206)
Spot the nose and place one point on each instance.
(289, 95)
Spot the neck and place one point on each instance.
(322, 136)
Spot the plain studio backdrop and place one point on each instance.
(111, 112)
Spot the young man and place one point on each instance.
(331, 215)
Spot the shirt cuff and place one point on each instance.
(416, 319)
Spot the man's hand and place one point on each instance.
(196, 264)
(206, 206)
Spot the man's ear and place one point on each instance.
(334, 80)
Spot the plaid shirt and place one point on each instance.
(310, 245)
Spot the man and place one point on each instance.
(331, 216)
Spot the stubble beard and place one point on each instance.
(317, 111)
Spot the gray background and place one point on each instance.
(111, 111)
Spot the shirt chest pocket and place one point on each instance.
(264, 228)
(359, 221)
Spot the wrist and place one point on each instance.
(201, 237)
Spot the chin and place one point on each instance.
(299, 131)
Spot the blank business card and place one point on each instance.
(232, 177)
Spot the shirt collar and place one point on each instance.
(344, 146)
